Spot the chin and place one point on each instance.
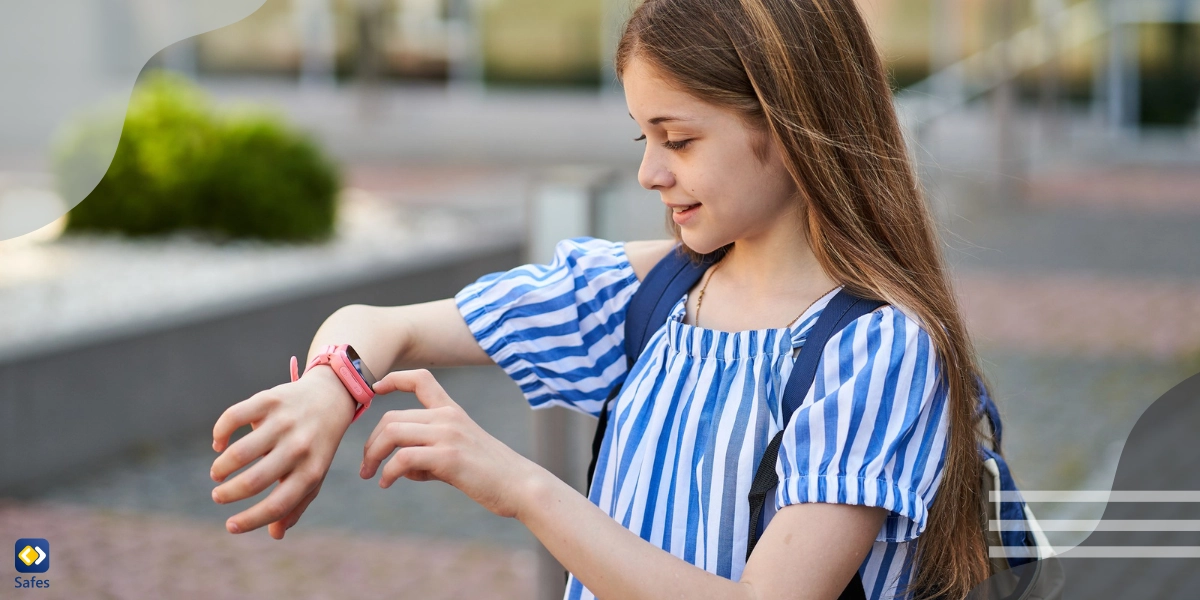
(700, 243)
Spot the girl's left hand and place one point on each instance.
(441, 442)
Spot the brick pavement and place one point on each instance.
(106, 554)
(1082, 315)
(1140, 189)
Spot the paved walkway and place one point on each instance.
(102, 554)
(1083, 315)
(1146, 190)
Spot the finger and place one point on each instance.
(244, 451)
(395, 435)
(418, 381)
(243, 413)
(278, 528)
(421, 461)
(278, 503)
(299, 510)
(279, 462)
(409, 415)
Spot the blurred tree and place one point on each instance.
(1170, 82)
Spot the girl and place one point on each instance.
(770, 136)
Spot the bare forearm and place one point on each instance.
(610, 560)
(379, 343)
(416, 336)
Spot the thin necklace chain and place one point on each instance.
(700, 297)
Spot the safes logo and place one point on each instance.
(33, 555)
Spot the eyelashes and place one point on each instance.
(669, 145)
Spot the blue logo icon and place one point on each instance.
(32, 555)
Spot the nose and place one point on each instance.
(653, 173)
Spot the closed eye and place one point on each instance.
(669, 145)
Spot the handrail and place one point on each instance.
(946, 91)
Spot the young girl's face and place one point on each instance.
(700, 158)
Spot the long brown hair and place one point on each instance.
(807, 74)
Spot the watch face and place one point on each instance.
(360, 366)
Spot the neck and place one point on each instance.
(778, 261)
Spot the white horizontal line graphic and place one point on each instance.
(1098, 525)
(1095, 496)
(1099, 551)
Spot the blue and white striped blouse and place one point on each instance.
(699, 407)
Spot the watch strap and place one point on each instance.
(323, 358)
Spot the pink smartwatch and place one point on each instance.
(350, 369)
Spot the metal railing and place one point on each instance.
(1059, 28)
(566, 202)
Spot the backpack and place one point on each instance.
(1029, 573)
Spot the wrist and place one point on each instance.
(341, 402)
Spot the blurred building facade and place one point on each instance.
(569, 42)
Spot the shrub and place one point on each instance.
(181, 166)
(269, 183)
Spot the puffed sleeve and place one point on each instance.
(872, 429)
(558, 330)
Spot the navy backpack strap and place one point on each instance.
(842, 309)
(986, 406)
(1012, 509)
(649, 308)
(664, 285)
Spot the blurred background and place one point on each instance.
(319, 153)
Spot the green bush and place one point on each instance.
(179, 165)
(268, 183)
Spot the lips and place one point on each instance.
(682, 213)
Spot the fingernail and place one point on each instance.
(214, 445)
(212, 474)
(233, 528)
(216, 498)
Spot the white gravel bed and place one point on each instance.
(79, 289)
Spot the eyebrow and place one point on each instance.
(657, 120)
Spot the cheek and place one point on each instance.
(714, 180)
(735, 187)
(750, 198)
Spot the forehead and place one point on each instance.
(650, 94)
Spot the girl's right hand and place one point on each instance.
(297, 429)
